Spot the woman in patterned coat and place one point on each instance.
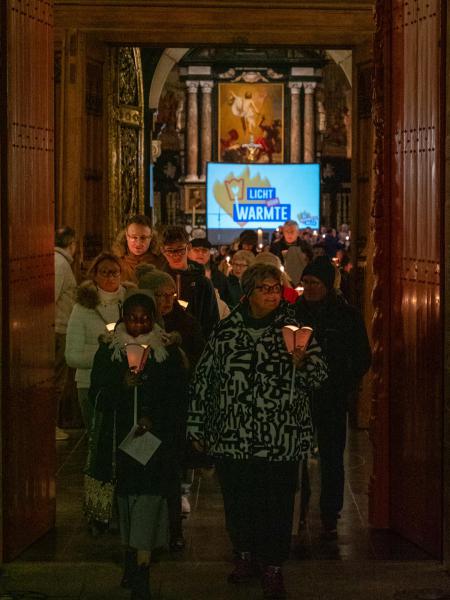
(250, 410)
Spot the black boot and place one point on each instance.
(129, 567)
(140, 586)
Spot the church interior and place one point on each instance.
(112, 109)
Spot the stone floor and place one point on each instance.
(68, 563)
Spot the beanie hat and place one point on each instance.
(323, 269)
(151, 278)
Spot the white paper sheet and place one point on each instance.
(141, 447)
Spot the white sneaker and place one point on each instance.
(61, 435)
(185, 505)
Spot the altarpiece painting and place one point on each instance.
(250, 122)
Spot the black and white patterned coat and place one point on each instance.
(241, 393)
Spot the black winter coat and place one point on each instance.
(192, 340)
(162, 397)
(341, 333)
(198, 291)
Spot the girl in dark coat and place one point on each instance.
(161, 409)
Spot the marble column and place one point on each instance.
(192, 131)
(308, 127)
(206, 127)
(295, 86)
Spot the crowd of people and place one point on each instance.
(214, 386)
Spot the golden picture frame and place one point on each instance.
(195, 199)
(251, 122)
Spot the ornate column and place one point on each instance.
(295, 86)
(192, 131)
(308, 154)
(206, 127)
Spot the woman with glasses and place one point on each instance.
(99, 303)
(341, 332)
(249, 410)
(136, 245)
(176, 319)
(240, 262)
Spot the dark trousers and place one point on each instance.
(258, 497)
(330, 421)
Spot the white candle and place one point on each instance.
(260, 237)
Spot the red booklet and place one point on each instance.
(296, 337)
(137, 355)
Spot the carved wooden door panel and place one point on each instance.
(409, 392)
(27, 263)
(126, 137)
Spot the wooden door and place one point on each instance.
(28, 406)
(408, 213)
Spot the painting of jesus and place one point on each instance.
(251, 122)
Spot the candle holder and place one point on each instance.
(137, 355)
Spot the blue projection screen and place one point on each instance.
(259, 196)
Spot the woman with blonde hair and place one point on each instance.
(240, 262)
(99, 303)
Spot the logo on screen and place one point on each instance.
(249, 199)
(235, 189)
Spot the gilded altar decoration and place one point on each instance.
(127, 79)
(126, 181)
(129, 170)
(250, 122)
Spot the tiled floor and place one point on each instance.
(70, 563)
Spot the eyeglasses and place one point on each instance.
(175, 251)
(139, 238)
(167, 296)
(239, 265)
(113, 274)
(269, 289)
